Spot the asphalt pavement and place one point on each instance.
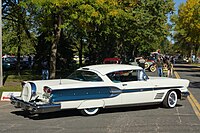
(191, 73)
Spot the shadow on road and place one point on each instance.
(193, 71)
(57, 114)
(72, 113)
(187, 68)
(194, 85)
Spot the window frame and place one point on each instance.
(84, 77)
(117, 78)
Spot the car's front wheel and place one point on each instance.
(89, 111)
(170, 99)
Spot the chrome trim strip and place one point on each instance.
(133, 105)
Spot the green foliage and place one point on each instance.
(10, 42)
(188, 26)
(16, 29)
(98, 28)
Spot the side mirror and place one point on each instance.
(145, 77)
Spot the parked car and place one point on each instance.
(112, 61)
(100, 86)
(24, 63)
(9, 63)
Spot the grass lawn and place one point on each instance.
(12, 81)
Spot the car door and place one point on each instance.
(137, 88)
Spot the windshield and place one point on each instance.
(84, 76)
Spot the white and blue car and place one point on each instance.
(91, 88)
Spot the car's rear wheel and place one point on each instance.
(89, 111)
(170, 100)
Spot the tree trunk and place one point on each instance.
(80, 52)
(18, 48)
(18, 59)
(196, 48)
(57, 32)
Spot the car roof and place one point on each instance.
(108, 68)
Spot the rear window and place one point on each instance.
(85, 76)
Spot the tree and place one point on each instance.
(117, 27)
(96, 28)
(188, 25)
(15, 24)
(50, 21)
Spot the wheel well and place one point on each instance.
(178, 92)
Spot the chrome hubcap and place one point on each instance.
(172, 100)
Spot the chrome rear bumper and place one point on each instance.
(34, 108)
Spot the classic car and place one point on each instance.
(112, 61)
(150, 64)
(94, 87)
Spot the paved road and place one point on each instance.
(149, 119)
(191, 73)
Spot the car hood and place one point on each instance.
(164, 81)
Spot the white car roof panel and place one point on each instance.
(107, 68)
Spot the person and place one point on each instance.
(193, 58)
(30, 61)
(159, 64)
(142, 62)
(45, 71)
(169, 68)
(165, 70)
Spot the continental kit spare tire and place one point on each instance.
(26, 92)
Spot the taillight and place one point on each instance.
(47, 90)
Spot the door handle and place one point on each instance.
(124, 84)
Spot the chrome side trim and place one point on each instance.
(159, 96)
(133, 105)
(34, 108)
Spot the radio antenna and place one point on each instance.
(60, 81)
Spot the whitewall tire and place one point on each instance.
(170, 100)
(90, 111)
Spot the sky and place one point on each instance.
(178, 2)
